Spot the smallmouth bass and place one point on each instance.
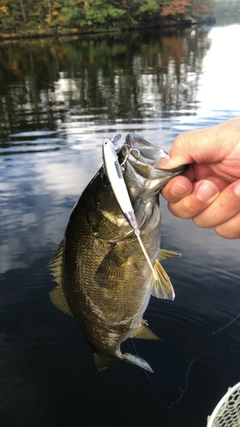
(104, 280)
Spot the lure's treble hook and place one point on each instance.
(129, 151)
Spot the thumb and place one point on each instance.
(189, 147)
(174, 159)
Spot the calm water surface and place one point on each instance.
(59, 99)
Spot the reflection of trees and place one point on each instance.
(129, 77)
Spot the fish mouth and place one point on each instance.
(139, 161)
(137, 149)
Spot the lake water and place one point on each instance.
(58, 101)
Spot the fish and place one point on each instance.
(103, 278)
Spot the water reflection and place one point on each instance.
(132, 77)
(58, 101)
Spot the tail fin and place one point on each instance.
(102, 362)
(135, 360)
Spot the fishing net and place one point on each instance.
(227, 411)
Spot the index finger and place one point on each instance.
(176, 188)
(205, 146)
(189, 147)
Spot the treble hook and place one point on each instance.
(129, 151)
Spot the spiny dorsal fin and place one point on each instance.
(57, 295)
(56, 264)
(161, 288)
(165, 254)
(144, 332)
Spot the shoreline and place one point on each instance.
(66, 32)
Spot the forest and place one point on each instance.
(44, 17)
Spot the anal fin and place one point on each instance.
(143, 332)
(162, 287)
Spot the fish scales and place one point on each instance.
(103, 278)
(120, 285)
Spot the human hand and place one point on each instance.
(209, 193)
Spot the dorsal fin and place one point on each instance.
(56, 264)
(58, 298)
(162, 287)
(57, 295)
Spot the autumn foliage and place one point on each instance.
(39, 15)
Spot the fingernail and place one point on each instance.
(206, 190)
(164, 162)
(237, 189)
(179, 190)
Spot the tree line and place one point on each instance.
(41, 15)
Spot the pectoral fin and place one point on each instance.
(165, 254)
(57, 295)
(162, 287)
(111, 270)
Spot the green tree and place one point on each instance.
(100, 12)
(10, 13)
(73, 13)
(148, 7)
(40, 16)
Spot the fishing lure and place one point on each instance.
(116, 179)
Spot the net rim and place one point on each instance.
(221, 402)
